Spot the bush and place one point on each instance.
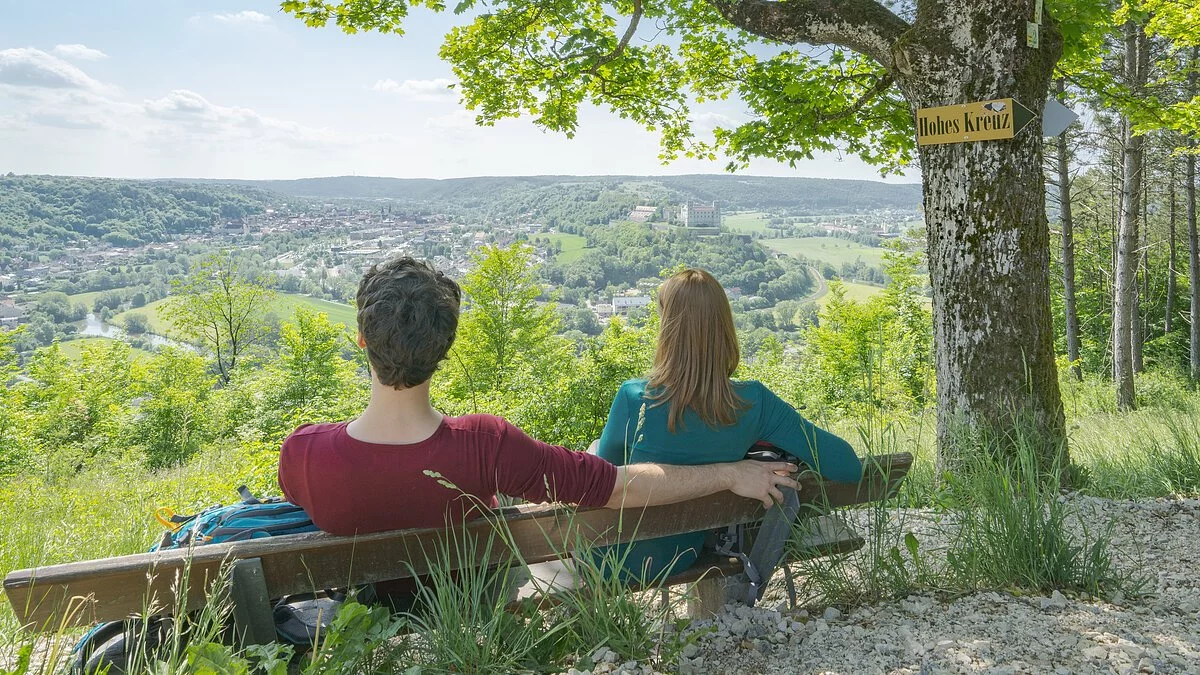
(136, 324)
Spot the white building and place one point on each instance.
(695, 215)
(623, 304)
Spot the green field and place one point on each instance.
(283, 307)
(827, 249)
(73, 348)
(573, 246)
(286, 303)
(87, 299)
(747, 222)
(854, 291)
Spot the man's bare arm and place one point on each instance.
(641, 485)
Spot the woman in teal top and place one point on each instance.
(688, 411)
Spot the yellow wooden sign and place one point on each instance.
(994, 120)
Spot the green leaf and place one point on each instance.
(910, 542)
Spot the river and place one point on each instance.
(95, 327)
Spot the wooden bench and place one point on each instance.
(81, 593)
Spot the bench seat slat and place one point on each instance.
(826, 535)
(118, 587)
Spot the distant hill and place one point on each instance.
(38, 212)
(45, 212)
(505, 192)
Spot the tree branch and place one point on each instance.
(853, 109)
(864, 26)
(629, 32)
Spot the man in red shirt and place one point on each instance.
(388, 469)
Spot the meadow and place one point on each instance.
(855, 291)
(747, 222)
(827, 249)
(283, 306)
(89, 298)
(573, 246)
(72, 349)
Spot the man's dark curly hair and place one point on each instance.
(407, 315)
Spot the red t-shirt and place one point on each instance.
(349, 486)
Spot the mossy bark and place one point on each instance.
(988, 238)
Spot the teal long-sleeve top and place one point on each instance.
(636, 431)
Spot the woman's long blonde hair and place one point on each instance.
(697, 351)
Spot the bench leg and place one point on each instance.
(793, 601)
(253, 620)
(708, 596)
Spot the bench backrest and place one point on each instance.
(80, 593)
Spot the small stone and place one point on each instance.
(916, 605)
(1097, 652)
(740, 627)
(1056, 602)
(832, 614)
(690, 650)
(630, 667)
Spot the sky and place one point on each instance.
(189, 89)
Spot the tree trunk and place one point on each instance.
(988, 239)
(1068, 252)
(1125, 291)
(1193, 240)
(1193, 263)
(1169, 313)
(1138, 330)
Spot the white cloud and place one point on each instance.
(419, 90)
(459, 120)
(29, 67)
(79, 52)
(711, 120)
(245, 17)
(186, 116)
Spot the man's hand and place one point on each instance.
(641, 485)
(761, 480)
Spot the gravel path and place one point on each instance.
(990, 632)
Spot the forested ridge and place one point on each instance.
(56, 211)
(525, 193)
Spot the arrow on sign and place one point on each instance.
(1022, 116)
(1056, 117)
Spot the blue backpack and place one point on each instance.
(107, 646)
(251, 518)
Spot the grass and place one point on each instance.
(153, 313)
(747, 222)
(283, 307)
(856, 291)
(72, 349)
(827, 249)
(286, 303)
(88, 299)
(573, 247)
